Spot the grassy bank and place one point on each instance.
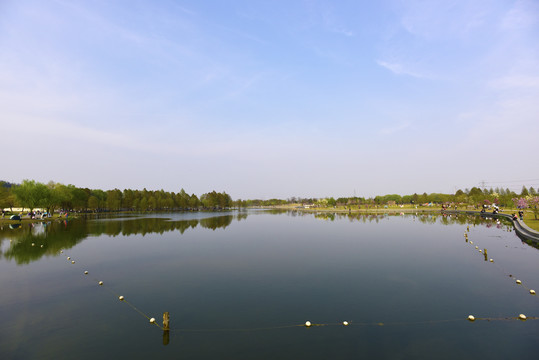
(529, 219)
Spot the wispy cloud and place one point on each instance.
(399, 69)
(523, 14)
(434, 19)
(394, 129)
(342, 31)
(515, 82)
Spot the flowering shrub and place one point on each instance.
(533, 202)
(520, 203)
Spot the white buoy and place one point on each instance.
(518, 282)
(308, 323)
(101, 283)
(68, 258)
(121, 298)
(480, 250)
(72, 261)
(477, 247)
(33, 244)
(471, 318)
(86, 272)
(491, 260)
(345, 323)
(41, 245)
(522, 317)
(471, 242)
(532, 292)
(152, 320)
(61, 251)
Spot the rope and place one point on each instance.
(501, 268)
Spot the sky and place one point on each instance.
(271, 99)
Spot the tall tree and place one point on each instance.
(30, 194)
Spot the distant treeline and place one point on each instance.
(53, 196)
(473, 196)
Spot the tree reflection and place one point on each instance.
(30, 242)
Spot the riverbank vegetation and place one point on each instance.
(53, 196)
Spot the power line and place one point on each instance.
(510, 181)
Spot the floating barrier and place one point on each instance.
(309, 324)
(519, 282)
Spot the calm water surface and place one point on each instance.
(235, 285)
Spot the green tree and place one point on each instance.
(30, 194)
(93, 203)
(4, 193)
(114, 199)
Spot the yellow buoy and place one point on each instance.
(480, 250)
(101, 283)
(532, 291)
(518, 282)
(121, 298)
(522, 317)
(345, 323)
(61, 251)
(477, 247)
(68, 258)
(308, 323)
(471, 318)
(33, 244)
(152, 320)
(86, 272)
(471, 242)
(491, 260)
(41, 245)
(72, 261)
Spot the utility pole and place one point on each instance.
(483, 184)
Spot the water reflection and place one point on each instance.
(425, 218)
(50, 237)
(30, 242)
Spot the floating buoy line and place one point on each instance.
(309, 324)
(506, 273)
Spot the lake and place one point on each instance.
(240, 285)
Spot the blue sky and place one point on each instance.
(270, 99)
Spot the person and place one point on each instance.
(514, 216)
(521, 214)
